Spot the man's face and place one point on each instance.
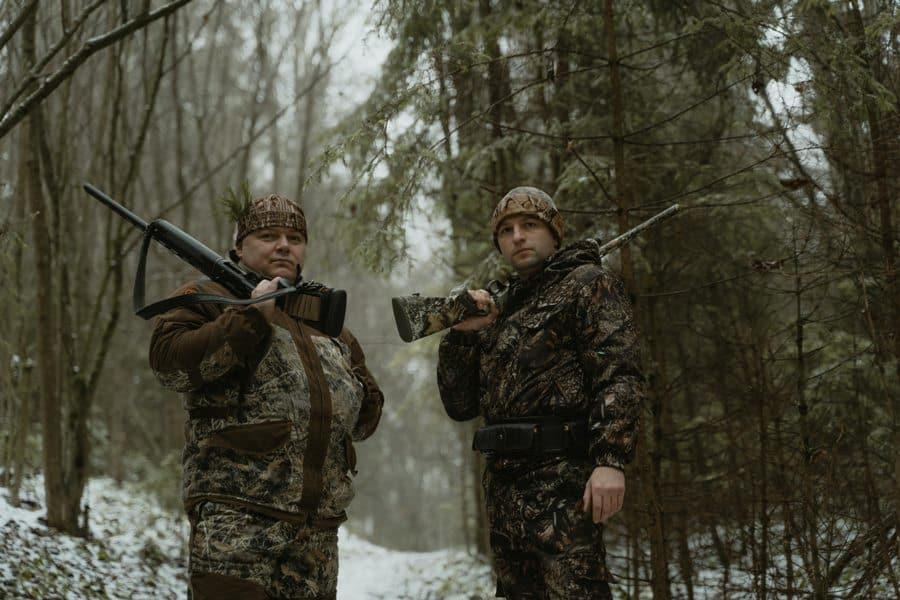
(526, 242)
(273, 252)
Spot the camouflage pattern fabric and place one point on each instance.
(287, 560)
(564, 345)
(270, 211)
(273, 410)
(544, 546)
(417, 316)
(530, 201)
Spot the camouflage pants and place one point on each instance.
(248, 555)
(544, 546)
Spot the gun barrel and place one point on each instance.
(201, 257)
(635, 231)
(116, 207)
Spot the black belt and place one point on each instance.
(532, 436)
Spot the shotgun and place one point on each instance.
(320, 306)
(419, 316)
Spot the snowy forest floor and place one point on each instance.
(136, 551)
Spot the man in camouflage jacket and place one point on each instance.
(559, 386)
(273, 407)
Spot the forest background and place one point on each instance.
(769, 462)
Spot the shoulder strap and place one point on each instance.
(156, 308)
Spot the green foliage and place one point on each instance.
(236, 201)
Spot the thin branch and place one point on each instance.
(571, 148)
(90, 47)
(17, 22)
(35, 70)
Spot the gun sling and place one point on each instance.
(304, 306)
(532, 436)
(321, 307)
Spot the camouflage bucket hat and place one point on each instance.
(270, 211)
(527, 200)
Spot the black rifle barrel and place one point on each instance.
(116, 207)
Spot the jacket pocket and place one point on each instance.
(541, 329)
(255, 438)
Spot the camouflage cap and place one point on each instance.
(270, 211)
(528, 201)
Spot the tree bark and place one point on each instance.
(46, 323)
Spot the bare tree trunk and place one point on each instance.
(47, 331)
(498, 92)
(635, 573)
(306, 116)
(762, 478)
(71, 375)
(650, 458)
(20, 426)
(650, 466)
(18, 404)
(561, 82)
(482, 526)
(669, 446)
(256, 105)
(623, 185)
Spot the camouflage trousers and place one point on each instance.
(544, 546)
(249, 556)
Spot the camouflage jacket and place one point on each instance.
(272, 409)
(564, 345)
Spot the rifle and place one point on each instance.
(322, 307)
(419, 316)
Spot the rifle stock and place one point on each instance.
(419, 316)
(322, 307)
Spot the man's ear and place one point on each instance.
(238, 249)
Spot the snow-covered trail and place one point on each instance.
(136, 552)
(370, 572)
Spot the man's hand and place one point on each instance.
(483, 301)
(265, 286)
(604, 493)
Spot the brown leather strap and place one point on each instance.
(320, 412)
(213, 586)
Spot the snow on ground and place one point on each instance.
(368, 572)
(136, 551)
